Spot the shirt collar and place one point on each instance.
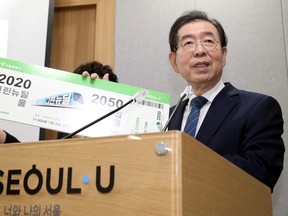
(209, 95)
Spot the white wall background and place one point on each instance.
(26, 41)
(257, 52)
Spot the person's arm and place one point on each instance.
(262, 152)
(7, 138)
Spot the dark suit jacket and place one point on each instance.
(10, 138)
(245, 128)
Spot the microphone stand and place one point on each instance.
(172, 114)
(97, 120)
(141, 95)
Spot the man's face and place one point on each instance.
(200, 68)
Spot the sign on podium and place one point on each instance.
(155, 174)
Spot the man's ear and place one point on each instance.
(172, 60)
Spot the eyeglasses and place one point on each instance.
(191, 45)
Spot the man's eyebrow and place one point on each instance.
(186, 36)
(206, 33)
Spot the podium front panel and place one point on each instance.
(125, 175)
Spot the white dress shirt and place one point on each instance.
(209, 95)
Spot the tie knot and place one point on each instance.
(199, 101)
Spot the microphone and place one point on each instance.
(185, 94)
(138, 97)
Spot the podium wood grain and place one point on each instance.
(189, 180)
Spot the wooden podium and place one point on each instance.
(169, 174)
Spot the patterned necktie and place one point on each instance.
(197, 103)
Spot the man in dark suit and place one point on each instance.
(244, 127)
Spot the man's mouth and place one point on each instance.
(201, 65)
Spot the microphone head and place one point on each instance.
(140, 95)
(187, 91)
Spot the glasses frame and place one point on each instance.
(196, 45)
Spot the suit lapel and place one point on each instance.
(220, 108)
